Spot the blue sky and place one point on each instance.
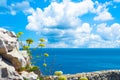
(64, 23)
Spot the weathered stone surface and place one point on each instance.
(98, 75)
(11, 59)
(9, 39)
(7, 71)
(15, 58)
(26, 56)
(2, 47)
(29, 76)
(9, 49)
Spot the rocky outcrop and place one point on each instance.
(12, 59)
(98, 75)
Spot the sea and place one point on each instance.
(76, 60)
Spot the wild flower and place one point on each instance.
(44, 64)
(62, 78)
(58, 73)
(42, 40)
(46, 54)
(83, 78)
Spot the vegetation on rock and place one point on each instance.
(83, 78)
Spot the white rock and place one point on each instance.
(9, 39)
(7, 71)
(29, 76)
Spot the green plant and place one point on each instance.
(58, 73)
(27, 46)
(29, 41)
(46, 54)
(33, 68)
(29, 68)
(44, 64)
(62, 78)
(42, 40)
(19, 34)
(83, 78)
(26, 79)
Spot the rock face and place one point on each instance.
(12, 59)
(98, 75)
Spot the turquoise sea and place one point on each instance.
(76, 60)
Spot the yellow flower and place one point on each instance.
(26, 47)
(42, 39)
(62, 78)
(58, 73)
(44, 64)
(41, 45)
(46, 54)
(83, 78)
(19, 34)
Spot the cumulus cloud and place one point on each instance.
(59, 14)
(102, 12)
(61, 23)
(109, 32)
(103, 16)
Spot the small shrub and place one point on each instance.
(29, 68)
(62, 78)
(25, 79)
(33, 68)
(83, 78)
(58, 73)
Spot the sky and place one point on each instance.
(64, 23)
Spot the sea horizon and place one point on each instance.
(78, 60)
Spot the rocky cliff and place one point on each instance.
(12, 59)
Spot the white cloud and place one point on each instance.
(109, 32)
(14, 8)
(103, 16)
(61, 23)
(59, 14)
(102, 12)
(23, 6)
(116, 0)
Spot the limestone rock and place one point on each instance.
(9, 39)
(29, 76)
(12, 59)
(7, 71)
(26, 56)
(9, 49)
(3, 48)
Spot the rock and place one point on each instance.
(3, 48)
(9, 39)
(98, 75)
(9, 49)
(29, 76)
(12, 59)
(26, 56)
(7, 71)
(15, 58)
